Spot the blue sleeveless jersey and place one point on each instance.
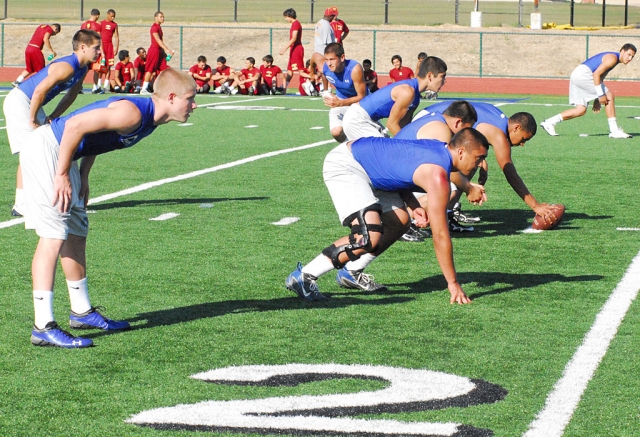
(594, 62)
(410, 131)
(487, 113)
(390, 163)
(103, 142)
(29, 85)
(378, 105)
(342, 81)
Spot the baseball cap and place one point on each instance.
(333, 10)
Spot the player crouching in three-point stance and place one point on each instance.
(371, 181)
(56, 191)
(587, 84)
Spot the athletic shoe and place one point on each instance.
(619, 134)
(454, 226)
(413, 235)
(15, 212)
(101, 91)
(15, 84)
(218, 90)
(96, 91)
(92, 319)
(549, 128)
(144, 92)
(304, 285)
(461, 217)
(358, 280)
(274, 87)
(251, 91)
(233, 92)
(53, 335)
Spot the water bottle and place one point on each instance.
(168, 58)
(50, 57)
(103, 62)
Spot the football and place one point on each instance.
(540, 224)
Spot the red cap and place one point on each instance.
(333, 10)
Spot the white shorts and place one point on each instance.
(581, 88)
(17, 107)
(350, 187)
(357, 123)
(336, 115)
(39, 161)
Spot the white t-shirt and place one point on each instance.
(324, 36)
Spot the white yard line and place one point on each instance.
(233, 102)
(563, 400)
(182, 177)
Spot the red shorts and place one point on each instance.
(107, 53)
(33, 59)
(296, 58)
(156, 60)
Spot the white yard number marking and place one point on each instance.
(408, 390)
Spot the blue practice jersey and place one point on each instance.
(343, 81)
(378, 105)
(594, 62)
(390, 163)
(103, 142)
(410, 131)
(487, 113)
(29, 85)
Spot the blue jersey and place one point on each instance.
(103, 142)
(378, 105)
(390, 163)
(29, 85)
(594, 62)
(410, 131)
(342, 81)
(487, 113)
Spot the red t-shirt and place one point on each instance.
(107, 28)
(155, 28)
(200, 72)
(296, 26)
(38, 36)
(125, 71)
(371, 75)
(268, 73)
(139, 65)
(250, 74)
(339, 27)
(91, 25)
(401, 74)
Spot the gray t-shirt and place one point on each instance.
(324, 35)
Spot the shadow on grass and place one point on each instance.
(181, 201)
(497, 222)
(208, 310)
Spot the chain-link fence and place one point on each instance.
(468, 53)
(395, 12)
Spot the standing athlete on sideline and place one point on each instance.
(157, 53)
(33, 57)
(295, 47)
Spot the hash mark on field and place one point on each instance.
(286, 221)
(316, 127)
(627, 229)
(563, 400)
(251, 126)
(166, 216)
(184, 124)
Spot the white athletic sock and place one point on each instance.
(319, 266)
(145, 86)
(361, 263)
(19, 201)
(555, 119)
(79, 296)
(99, 83)
(43, 307)
(613, 124)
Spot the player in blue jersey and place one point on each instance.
(502, 133)
(23, 105)
(370, 181)
(587, 84)
(395, 102)
(56, 161)
(347, 77)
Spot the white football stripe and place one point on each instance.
(286, 221)
(166, 216)
(627, 229)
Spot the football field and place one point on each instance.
(195, 229)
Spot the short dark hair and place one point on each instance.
(394, 57)
(158, 13)
(221, 59)
(268, 58)
(250, 59)
(525, 120)
(95, 11)
(123, 54)
(290, 13)
(85, 36)
(628, 46)
(140, 50)
(469, 139)
(111, 11)
(422, 56)
(366, 62)
(56, 27)
(463, 110)
(202, 58)
(335, 48)
(433, 65)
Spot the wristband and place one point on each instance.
(599, 90)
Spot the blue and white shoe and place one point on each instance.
(92, 319)
(304, 285)
(356, 279)
(53, 335)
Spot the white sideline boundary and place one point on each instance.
(563, 400)
(193, 174)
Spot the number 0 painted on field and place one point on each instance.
(408, 390)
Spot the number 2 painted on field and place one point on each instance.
(408, 390)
